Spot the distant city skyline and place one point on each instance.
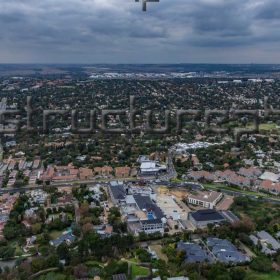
(117, 31)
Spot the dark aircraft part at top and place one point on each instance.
(144, 3)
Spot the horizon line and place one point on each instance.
(137, 63)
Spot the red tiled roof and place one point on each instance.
(270, 186)
(85, 171)
(122, 170)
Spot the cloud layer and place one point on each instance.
(117, 31)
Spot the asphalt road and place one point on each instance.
(184, 185)
(255, 197)
(163, 180)
(61, 185)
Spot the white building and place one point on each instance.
(205, 199)
(151, 168)
(152, 226)
(270, 176)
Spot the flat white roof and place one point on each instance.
(270, 176)
(148, 165)
(130, 199)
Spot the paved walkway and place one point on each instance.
(249, 253)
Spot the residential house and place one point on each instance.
(48, 174)
(122, 172)
(194, 253)
(201, 175)
(26, 224)
(85, 173)
(225, 251)
(270, 176)
(103, 171)
(65, 173)
(251, 172)
(66, 236)
(239, 181)
(270, 186)
(36, 164)
(121, 276)
(269, 245)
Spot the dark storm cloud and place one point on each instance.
(226, 19)
(118, 31)
(269, 10)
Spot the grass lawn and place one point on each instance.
(264, 126)
(158, 250)
(176, 180)
(137, 270)
(261, 212)
(55, 234)
(94, 264)
(225, 187)
(262, 276)
(134, 260)
(18, 249)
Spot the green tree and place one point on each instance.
(36, 228)
(52, 260)
(63, 252)
(7, 252)
(218, 271)
(38, 264)
(261, 264)
(237, 273)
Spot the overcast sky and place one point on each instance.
(118, 31)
